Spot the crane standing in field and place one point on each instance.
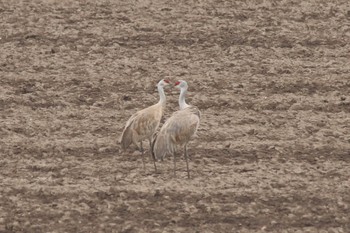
(143, 124)
(178, 129)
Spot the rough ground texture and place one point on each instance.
(272, 79)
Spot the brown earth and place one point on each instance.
(272, 79)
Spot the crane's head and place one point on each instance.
(181, 84)
(163, 83)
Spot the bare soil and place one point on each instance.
(271, 78)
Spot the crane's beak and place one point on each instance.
(167, 82)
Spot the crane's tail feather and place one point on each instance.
(162, 146)
(126, 138)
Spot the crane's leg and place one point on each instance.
(186, 156)
(152, 155)
(143, 157)
(174, 164)
(150, 148)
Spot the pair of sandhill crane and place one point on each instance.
(176, 131)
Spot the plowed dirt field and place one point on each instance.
(271, 78)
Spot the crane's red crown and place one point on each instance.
(177, 83)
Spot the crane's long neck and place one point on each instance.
(162, 98)
(182, 101)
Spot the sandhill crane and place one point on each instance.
(143, 124)
(178, 129)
